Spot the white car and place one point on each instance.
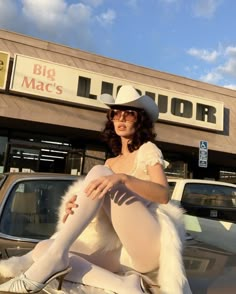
(28, 205)
(205, 198)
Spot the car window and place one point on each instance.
(31, 208)
(210, 201)
(209, 195)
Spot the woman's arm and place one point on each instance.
(156, 190)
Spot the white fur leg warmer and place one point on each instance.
(15, 265)
(171, 275)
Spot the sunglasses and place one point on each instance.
(128, 115)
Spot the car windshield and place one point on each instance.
(31, 208)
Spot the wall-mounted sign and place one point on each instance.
(47, 79)
(4, 62)
(203, 154)
(73, 85)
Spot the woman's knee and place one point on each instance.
(99, 171)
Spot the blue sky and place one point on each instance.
(191, 38)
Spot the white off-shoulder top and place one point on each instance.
(147, 154)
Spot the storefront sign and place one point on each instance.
(73, 85)
(4, 61)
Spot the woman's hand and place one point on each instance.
(99, 187)
(70, 205)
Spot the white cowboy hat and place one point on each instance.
(129, 96)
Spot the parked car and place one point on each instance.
(204, 198)
(28, 213)
(210, 221)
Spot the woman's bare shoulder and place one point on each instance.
(110, 161)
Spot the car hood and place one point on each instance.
(210, 256)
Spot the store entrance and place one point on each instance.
(39, 157)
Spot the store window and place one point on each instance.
(228, 175)
(3, 148)
(74, 162)
(176, 169)
(93, 157)
(50, 155)
(23, 159)
(37, 156)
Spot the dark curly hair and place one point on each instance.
(143, 133)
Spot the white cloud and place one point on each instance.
(212, 77)
(107, 18)
(230, 86)
(44, 14)
(231, 51)
(206, 55)
(224, 72)
(229, 68)
(70, 23)
(205, 8)
(60, 22)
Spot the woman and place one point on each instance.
(132, 190)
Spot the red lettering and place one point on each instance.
(59, 90)
(28, 83)
(51, 73)
(37, 69)
(47, 87)
(40, 86)
(44, 71)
